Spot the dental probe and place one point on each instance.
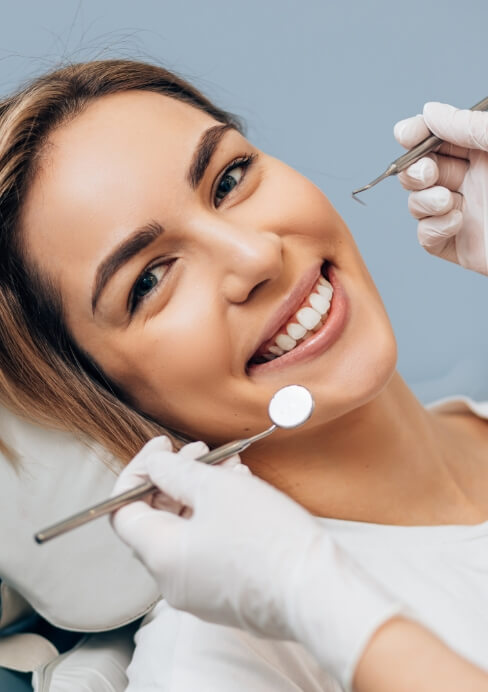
(290, 407)
(424, 147)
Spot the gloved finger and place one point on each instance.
(451, 171)
(435, 169)
(165, 503)
(448, 149)
(235, 464)
(231, 462)
(437, 234)
(242, 468)
(193, 450)
(464, 128)
(410, 131)
(421, 174)
(178, 477)
(434, 201)
(135, 471)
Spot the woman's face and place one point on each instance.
(227, 258)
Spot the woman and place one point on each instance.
(159, 268)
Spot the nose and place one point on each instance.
(247, 257)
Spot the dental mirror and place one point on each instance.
(290, 407)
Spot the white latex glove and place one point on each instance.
(450, 188)
(249, 557)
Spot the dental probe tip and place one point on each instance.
(356, 199)
(391, 170)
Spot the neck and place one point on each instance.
(390, 461)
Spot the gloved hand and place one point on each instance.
(249, 557)
(450, 187)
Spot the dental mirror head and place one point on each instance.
(291, 406)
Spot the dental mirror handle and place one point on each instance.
(140, 491)
(231, 448)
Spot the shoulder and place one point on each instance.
(177, 652)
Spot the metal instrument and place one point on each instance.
(424, 147)
(290, 407)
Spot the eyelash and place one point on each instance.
(239, 162)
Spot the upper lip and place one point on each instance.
(289, 306)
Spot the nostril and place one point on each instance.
(256, 287)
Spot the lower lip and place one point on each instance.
(321, 340)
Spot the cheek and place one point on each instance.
(169, 366)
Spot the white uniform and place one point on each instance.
(441, 572)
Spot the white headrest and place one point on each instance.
(86, 580)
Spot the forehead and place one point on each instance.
(121, 161)
(110, 145)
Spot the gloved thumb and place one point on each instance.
(464, 128)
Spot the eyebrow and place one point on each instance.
(145, 235)
(209, 141)
(128, 248)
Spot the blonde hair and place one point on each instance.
(44, 375)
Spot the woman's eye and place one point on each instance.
(232, 177)
(146, 283)
(228, 182)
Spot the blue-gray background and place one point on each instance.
(320, 84)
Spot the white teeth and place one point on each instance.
(307, 320)
(285, 342)
(308, 317)
(325, 291)
(319, 303)
(296, 331)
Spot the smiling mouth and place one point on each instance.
(311, 315)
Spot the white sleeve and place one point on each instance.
(96, 664)
(177, 652)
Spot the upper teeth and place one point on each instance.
(296, 331)
(285, 342)
(308, 317)
(305, 320)
(319, 303)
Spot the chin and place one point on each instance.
(364, 379)
(359, 369)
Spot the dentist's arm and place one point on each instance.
(248, 556)
(449, 189)
(403, 656)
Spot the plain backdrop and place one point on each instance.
(320, 85)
